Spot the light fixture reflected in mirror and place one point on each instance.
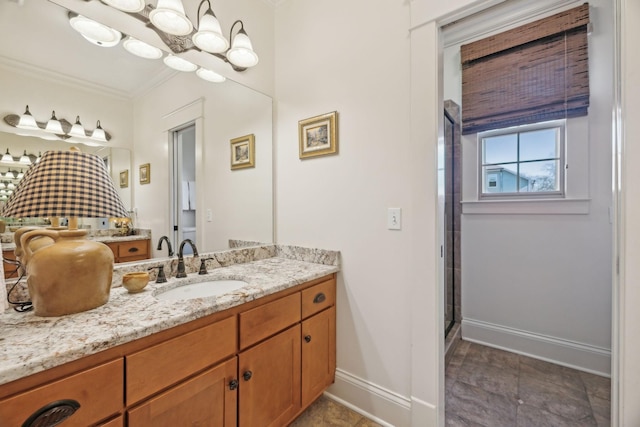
(27, 121)
(7, 157)
(25, 159)
(129, 6)
(54, 125)
(98, 133)
(179, 64)
(141, 49)
(56, 129)
(210, 76)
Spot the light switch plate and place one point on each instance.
(394, 218)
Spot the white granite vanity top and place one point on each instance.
(30, 344)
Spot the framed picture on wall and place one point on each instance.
(124, 178)
(145, 173)
(243, 152)
(318, 136)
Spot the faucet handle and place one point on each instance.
(161, 278)
(203, 265)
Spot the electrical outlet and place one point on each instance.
(394, 218)
(209, 215)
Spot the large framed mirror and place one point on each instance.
(47, 65)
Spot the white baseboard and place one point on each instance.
(423, 414)
(377, 403)
(596, 360)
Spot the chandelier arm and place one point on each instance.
(231, 31)
(200, 8)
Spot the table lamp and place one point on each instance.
(71, 274)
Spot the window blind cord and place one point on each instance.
(19, 306)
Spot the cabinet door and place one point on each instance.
(318, 354)
(270, 381)
(207, 400)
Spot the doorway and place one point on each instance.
(184, 192)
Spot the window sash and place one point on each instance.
(558, 125)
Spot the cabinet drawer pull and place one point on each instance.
(307, 338)
(233, 384)
(319, 298)
(134, 249)
(247, 375)
(52, 414)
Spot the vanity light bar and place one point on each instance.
(57, 129)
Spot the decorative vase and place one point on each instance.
(70, 275)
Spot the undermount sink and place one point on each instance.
(210, 288)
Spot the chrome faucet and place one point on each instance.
(165, 239)
(181, 270)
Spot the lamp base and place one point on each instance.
(69, 276)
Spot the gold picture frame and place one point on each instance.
(145, 173)
(318, 136)
(124, 178)
(243, 152)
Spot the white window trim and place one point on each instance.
(522, 129)
(576, 200)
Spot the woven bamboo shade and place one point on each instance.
(536, 72)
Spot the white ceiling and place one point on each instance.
(36, 33)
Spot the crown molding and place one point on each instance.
(77, 83)
(59, 78)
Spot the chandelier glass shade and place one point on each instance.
(56, 129)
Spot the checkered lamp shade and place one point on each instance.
(65, 184)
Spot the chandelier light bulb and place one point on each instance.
(169, 17)
(209, 36)
(129, 6)
(241, 52)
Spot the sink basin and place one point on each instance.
(210, 288)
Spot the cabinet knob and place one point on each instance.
(52, 414)
(134, 249)
(233, 384)
(319, 298)
(247, 375)
(307, 338)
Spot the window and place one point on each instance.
(523, 160)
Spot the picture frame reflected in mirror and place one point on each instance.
(124, 178)
(243, 152)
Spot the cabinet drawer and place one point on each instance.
(318, 297)
(157, 367)
(99, 391)
(266, 320)
(133, 248)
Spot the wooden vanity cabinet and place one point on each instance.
(130, 250)
(98, 391)
(204, 400)
(318, 354)
(259, 364)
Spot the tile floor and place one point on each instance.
(324, 412)
(493, 388)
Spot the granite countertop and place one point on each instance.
(30, 344)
